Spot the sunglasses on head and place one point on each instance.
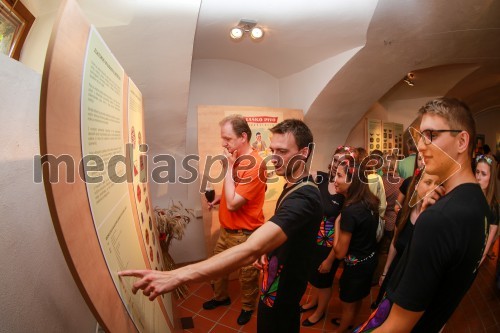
(488, 159)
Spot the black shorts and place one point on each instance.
(356, 281)
(324, 280)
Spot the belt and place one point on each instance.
(351, 260)
(239, 231)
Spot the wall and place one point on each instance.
(37, 291)
(401, 111)
(35, 46)
(488, 123)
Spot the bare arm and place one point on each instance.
(390, 259)
(399, 321)
(342, 240)
(234, 201)
(400, 199)
(490, 241)
(154, 283)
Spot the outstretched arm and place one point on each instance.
(154, 283)
(399, 321)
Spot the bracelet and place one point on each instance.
(382, 275)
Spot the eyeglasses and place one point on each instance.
(488, 159)
(428, 135)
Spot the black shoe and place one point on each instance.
(244, 317)
(213, 303)
(336, 322)
(308, 323)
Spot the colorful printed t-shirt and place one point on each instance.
(286, 274)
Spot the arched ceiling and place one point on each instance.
(453, 48)
(419, 36)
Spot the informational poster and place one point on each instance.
(398, 137)
(260, 123)
(374, 135)
(138, 169)
(387, 138)
(107, 182)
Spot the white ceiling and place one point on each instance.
(452, 48)
(298, 34)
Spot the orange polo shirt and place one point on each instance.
(253, 188)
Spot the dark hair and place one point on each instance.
(358, 191)
(411, 145)
(456, 113)
(361, 154)
(302, 134)
(486, 149)
(239, 125)
(405, 211)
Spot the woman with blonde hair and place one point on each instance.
(485, 171)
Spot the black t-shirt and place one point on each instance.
(285, 277)
(362, 223)
(332, 203)
(404, 186)
(441, 261)
(404, 238)
(494, 215)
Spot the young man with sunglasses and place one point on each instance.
(441, 262)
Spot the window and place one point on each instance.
(15, 23)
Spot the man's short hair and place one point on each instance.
(302, 134)
(239, 124)
(456, 113)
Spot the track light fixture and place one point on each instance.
(246, 26)
(409, 79)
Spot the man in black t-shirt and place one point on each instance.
(285, 242)
(441, 261)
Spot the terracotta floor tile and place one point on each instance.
(204, 291)
(214, 314)
(479, 310)
(488, 319)
(202, 325)
(193, 303)
(219, 328)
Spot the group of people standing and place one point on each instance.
(323, 219)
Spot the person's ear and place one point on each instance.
(304, 152)
(463, 141)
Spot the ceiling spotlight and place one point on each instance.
(257, 33)
(247, 26)
(409, 79)
(236, 33)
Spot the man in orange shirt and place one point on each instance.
(240, 212)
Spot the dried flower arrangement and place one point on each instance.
(171, 223)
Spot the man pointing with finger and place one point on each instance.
(285, 242)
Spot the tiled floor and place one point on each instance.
(479, 311)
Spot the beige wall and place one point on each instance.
(37, 291)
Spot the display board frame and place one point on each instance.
(68, 201)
